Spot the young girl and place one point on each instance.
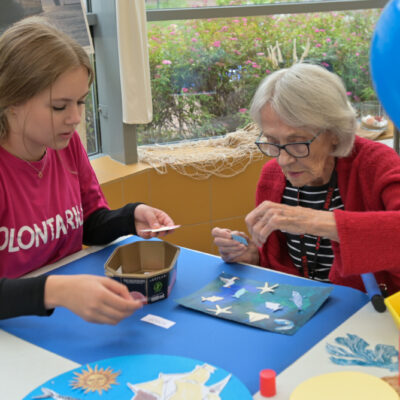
(51, 199)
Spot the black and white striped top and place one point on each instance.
(312, 197)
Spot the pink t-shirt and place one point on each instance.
(41, 219)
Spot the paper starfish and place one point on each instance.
(267, 289)
(220, 310)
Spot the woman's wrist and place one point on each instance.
(53, 291)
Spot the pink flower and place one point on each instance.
(224, 28)
(158, 66)
(194, 39)
(242, 110)
(267, 71)
(349, 93)
(324, 54)
(217, 43)
(357, 54)
(233, 38)
(354, 79)
(185, 90)
(255, 65)
(248, 62)
(316, 30)
(166, 62)
(236, 21)
(318, 45)
(260, 54)
(237, 52)
(328, 40)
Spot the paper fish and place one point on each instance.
(273, 306)
(297, 299)
(51, 394)
(239, 293)
(213, 299)
(284, 324)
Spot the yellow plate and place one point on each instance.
(347, 385)
(393, 305)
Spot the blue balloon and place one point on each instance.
(385, 60)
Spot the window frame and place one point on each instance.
(119, 140)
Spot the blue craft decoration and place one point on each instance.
(250, 307)
(139, 369)
(353, 350)
(240, 239)
(385, 60)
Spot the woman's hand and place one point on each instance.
(94, 298)
(233, 251)
(270, 216)
(147, 217)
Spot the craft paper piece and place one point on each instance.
(94, 379)
(270, 306)
(159, 321)
(240, 239)
(162, 229)
(189, 385)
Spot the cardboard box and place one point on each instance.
(147, 268)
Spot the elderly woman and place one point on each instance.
(328, 203)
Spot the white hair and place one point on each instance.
(310, 97)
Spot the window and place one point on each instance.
(204, 72)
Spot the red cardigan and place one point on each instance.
(369, 225)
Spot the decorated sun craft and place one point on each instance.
(92, 380)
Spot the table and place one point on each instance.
(34, 349)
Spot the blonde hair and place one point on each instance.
(310, 97)
(33, 54)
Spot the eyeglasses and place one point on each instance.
(297, 149)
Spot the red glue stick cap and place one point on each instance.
(267, 382)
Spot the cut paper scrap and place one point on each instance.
(51, 394)
(265, 305)
(228, 282)
(273, 306)
(162, 229)
(297, 299)
(347, 385)
(190, 385)
(240, 239)
(213, 299)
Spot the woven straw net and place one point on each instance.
(224, 157)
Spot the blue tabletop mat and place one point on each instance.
(240, 349)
